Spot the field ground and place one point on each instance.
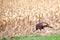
(34, 37)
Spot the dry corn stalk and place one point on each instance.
(23, 15)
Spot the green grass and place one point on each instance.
(34, 37)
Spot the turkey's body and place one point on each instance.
(42, 25)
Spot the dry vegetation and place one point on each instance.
(19, 17)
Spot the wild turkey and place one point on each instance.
(41, 25)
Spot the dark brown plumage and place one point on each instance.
(42, 25)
